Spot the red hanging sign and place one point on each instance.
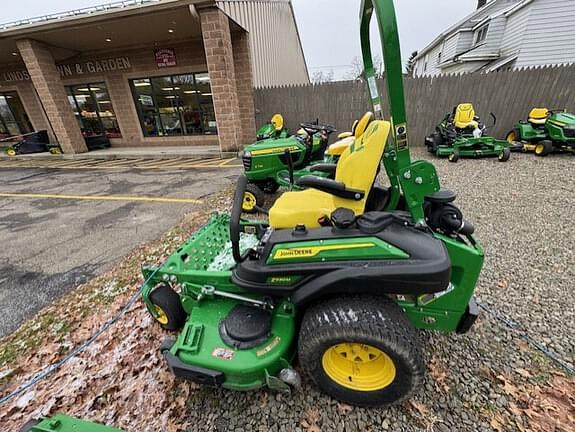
(165, 57)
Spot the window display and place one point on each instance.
(175, 105)
(93, 109)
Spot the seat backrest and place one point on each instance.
(464, 114)
(360, 127)
(538, 113)
(338, 147)
(278, 122)
(358, 168)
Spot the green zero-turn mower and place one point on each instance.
(462, 134)
(544, 132)
(273, 129)
(264, 159)
(327, 282)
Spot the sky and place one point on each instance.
(329, 29)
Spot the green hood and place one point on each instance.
(274, 145)
(563, 117)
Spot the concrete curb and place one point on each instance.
(88, 156)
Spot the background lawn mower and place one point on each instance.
(264, 159)
(545, 131)
(327, 281)
(462, 134)
(34, 142)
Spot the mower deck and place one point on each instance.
(473, 147)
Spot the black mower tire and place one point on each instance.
(504, 155)
(453, 157)
(270, 186)
(254, 197)
(368, 322)
(165, 298)
(545, 149)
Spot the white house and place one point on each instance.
(503, 34)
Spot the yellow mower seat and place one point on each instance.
(538, 116)
(464, 116)
(357, 168)
(338, 147)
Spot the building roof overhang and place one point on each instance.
(108, 27)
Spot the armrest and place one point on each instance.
(324, 167)
(331, 187)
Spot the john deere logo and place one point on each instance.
(306, 252)
(291, 253)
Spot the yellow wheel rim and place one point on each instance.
(451, 156)
(11, 152)
(249, 201)
(511, 137)
(539, 148)
(358, 366)
(161, 315)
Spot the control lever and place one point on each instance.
(290, 166)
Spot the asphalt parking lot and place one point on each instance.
(60, 227)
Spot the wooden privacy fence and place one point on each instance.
(510, 95)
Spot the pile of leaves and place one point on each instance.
(120, 379)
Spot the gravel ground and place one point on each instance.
(520, 210)
(487, 380)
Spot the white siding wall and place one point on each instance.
(514, 31)
(550, 35)
(450, 46)
(464, 42)
(464, 67)
(277, 55)
(432, 65)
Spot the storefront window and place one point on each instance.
(93, 109)
(13, 117)
(175, 105)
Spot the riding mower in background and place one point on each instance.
(273, 129)
(264, 159)
(462, 134)
(328, 281)
(545, 131)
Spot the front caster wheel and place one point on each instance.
(453, 157)
(361, 350)
(253, 198)
(504, 155)
(168, 307)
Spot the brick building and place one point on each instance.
(145, 72)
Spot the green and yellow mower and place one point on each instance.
(462, 134)
(328, 286)
(545, 131)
